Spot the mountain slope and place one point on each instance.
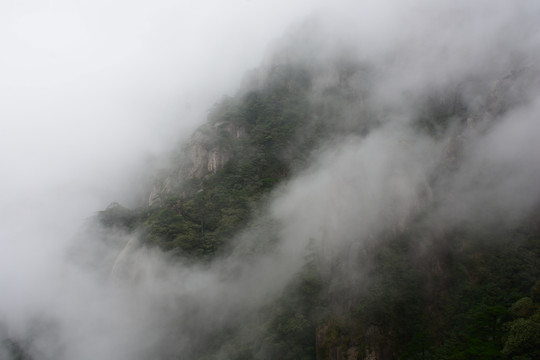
(427, 282)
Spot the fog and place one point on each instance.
(93, 94)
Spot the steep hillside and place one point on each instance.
(249, 145)
(433, 280)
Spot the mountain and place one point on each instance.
(402, 218)
(368, 190)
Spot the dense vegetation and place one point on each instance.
(199, 218)
(464, 293)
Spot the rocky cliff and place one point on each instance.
(206, 152)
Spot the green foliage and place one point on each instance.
(289, 333)
(524, 307)
(523, 339)
(449, 301)
(457, 295)
(118, 216)
(210, 211)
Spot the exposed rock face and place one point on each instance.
(216, 160)
(209, 148)
(161, 186)
(207, 152)
(205, 156)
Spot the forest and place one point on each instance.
(464, 290)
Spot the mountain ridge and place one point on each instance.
(249, 147)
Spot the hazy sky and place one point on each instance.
(90, 93)
(90, 89)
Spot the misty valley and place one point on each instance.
(352, 200)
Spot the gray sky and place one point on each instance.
(91, 90)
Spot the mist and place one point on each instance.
(94, 95)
